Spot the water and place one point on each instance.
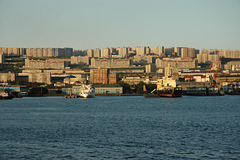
(120, 128)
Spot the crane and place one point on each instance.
(216, 74)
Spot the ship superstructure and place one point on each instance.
(166, 86)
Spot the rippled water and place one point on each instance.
(120, 128)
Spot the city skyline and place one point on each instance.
(93, 24)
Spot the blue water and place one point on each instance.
(120, 128)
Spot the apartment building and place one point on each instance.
(99, 76)
(80, 60)
(1, 57)
(141, 60)
(180, 63)
(110, 63)
(5, 77)
(188, 53)
(13, 51)
(157, 50)
(46, 64)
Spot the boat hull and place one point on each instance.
(86, 95)
(159, 95)
(5, 98)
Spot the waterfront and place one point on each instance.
(120, 127)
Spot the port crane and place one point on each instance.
(216, 73)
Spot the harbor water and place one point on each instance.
(120, 127)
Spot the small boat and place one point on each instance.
(4, 95)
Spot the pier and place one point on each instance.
(71, 96)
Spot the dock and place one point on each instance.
(71, 96)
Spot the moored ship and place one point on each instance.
(4, 95)
(87, 91)
(170, 92)
(166, 86)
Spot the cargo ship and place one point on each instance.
(170, 92)
(166, 86)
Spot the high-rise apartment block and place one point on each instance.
(5, 77)
(110, 63)
(141, 51)
(97, 53)
(177, 50)
(122, 52)
(229, 53)
(105, 53)
(157, 50)
(39, 52)
(169, 50)
(48, 64)
(13, 51)
(181, 63)
(1, 57)
(209, 56)
(80, 60)
(49, 52)
(141, 60)
(188, 53)
(90, 53)
(150, 68)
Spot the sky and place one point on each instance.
(89, 24)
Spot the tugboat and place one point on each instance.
(166, 86)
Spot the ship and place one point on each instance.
(166, 86)
(87, 90)
(4, 95)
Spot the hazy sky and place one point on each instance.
(86, 24)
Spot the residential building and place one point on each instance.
(48, 64)
(40, 77)
(168, 50)
(188, 53)
(142, 60)
(122, 52)
(99, 76)
(1, 57)
(180, 63)
(105, 53)
(232, 65)
(5, 77)
(80, 60)
(157, 50)
(97, 53)
(90, 53)
(150, 68)
(110, 63)
(177, 51)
